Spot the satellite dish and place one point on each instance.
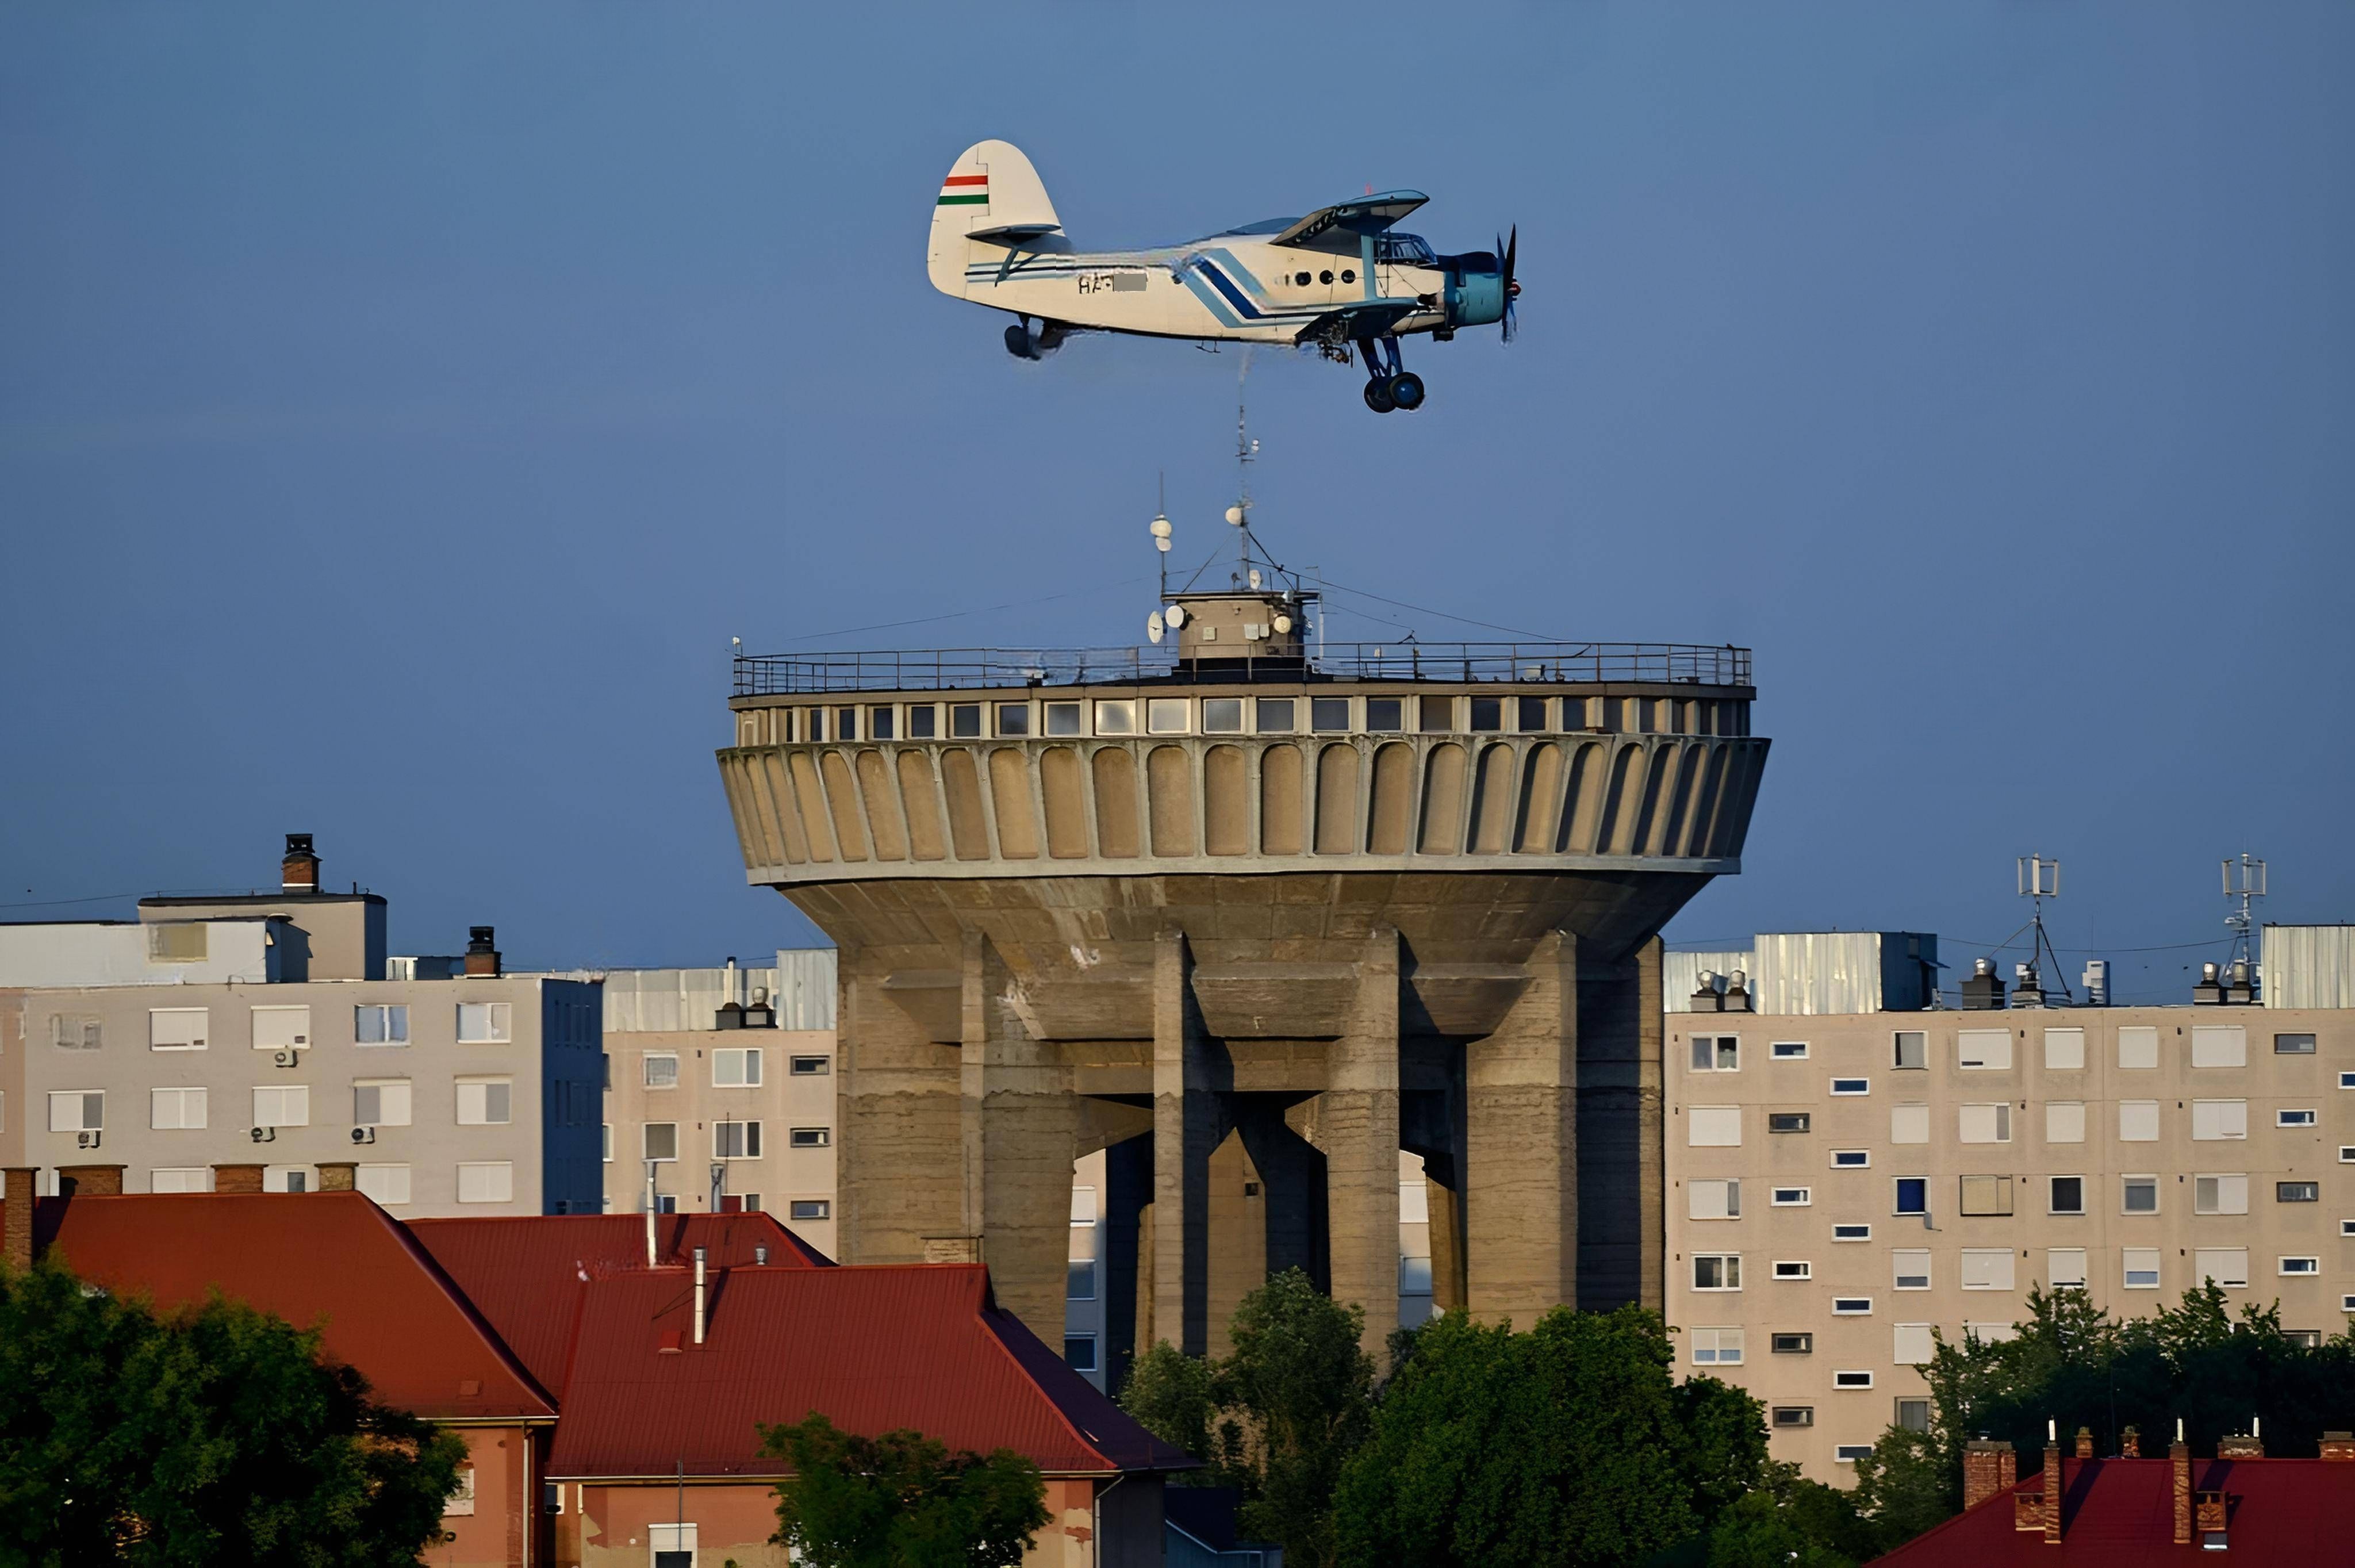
(1175, 615)
(1283, 623)
(1235, 516)
(1153, 625)
(1254, 577)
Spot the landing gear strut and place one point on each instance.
(1389, 385)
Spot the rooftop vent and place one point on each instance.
(299, 872)
(1984, 990)
(482, 953)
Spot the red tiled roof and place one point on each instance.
(332, 1258)
(525, 1272)
(2121, 1512)
(874, 1349)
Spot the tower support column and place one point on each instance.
(1357, 1123)
(1621, 1217)
(1521, 1088)
(1020, 1122)
(1186, 1128)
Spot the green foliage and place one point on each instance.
(213, 1436)
(1176, 1396)
(1902, 1487)
(1568, 1444)
(901, 1501)
(1789, 1520)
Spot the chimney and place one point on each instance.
(1706, 998)
(2178, 1458)
(237, 1179)
(1983, 992)
(90, 1180)
(2339, 1446)
(2027, 987)
(2130, 1444)
(651, 1252)
(699, 1296)
(2210, 992)
(1737, 993)
(2055, 1484)
(338, 1176)
(16, 1229)
(299, 872)
(2240, 983)
(481, 957)
(2240, 1445)
(757, 1013)
(1987, 1471)
(2084, 1436)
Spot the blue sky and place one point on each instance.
(401, 407)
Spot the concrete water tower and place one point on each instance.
(1251, 913)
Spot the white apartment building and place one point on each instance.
(1842, 1183)
(254, 1041)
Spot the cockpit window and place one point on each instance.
(1406, 250)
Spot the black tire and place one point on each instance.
(1406, 390)
(1378, 396)
(1017, 342)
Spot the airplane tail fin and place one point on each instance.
(990, 199)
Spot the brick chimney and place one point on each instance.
(91, 1181)
(2055, 1485)
(2242, 1445)
(1988, 1470)
(2178, 1458)
(2130, 1444)
(17, 1228)
(2084, 1442)
(338, 1176)
(481, 957)
(237, 1179)
(299, 872)
(2339, 1446)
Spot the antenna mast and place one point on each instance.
(2039, 878)
(2244, 880)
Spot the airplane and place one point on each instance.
(1338, 277)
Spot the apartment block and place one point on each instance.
(719, 1091)
(1844, 1183)
(254, 1041)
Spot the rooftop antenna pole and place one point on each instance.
(2039, 878)
(1246, 450)
(2244, 880)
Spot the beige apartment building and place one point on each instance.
(1843, 1183)
(720, 1090)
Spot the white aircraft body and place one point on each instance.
(1338, 277)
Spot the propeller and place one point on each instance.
(1507, 247)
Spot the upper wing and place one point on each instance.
(1370, 215)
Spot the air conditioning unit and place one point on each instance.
(87, 1140)
(266, 1134)
(363, 1134)
(286, 1059)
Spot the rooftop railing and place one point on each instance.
(952, 670)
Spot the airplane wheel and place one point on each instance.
(1378, 396)
(1406, 390)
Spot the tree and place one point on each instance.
(213, 1434)
(1567, 1444)
(1175, 1396)
(901, 1501)
(1302, 1390)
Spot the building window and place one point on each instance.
(2068, 1196)
(1222, 716)
(1987, 1268)
(1714, 1127)
(1117, 717)
(185, 1179)
(484, 1023)
(1789, 1121)
(608, 1059)
(1717, 1347)
(2301, 1266)
(1851, 1306)
(810, 1208)
(380, 1103)
(1851, 1085)
(1985, 1050)
(1716, 1052)
(661, 1069)
(1790, 1198)
(1013, 720)
(1079, 1280)
(2137, 1121)
(1062, 717)
(2284, 1191)
(2138, 1048)
(388, 1184)
(1912, 1415)
(81, 1031)
(965, 720)
(2141, 1195)
(2064, 1122)
(2228, 1267)
(1788, 1416)
(1487, 714)
(735, 1140)
(1851, 1158)
(1276, 715)
(1913, 1195)
(283, 1105)
(1912, 1053)
(736, 1069)
(1079, 1352)
(660, 1140)
(1436, 715)
(2064, 1050)
(1986, 1195)
(1169, 715)
(1789, 1049)
(2215, 1045)
(1791, 1344)
(280, 1028)
(2293, 1045)
(811, 1137)
(1384, 715)
(1986, 1123)
(1850, 1453)
(1717, 1270)
(1713, 1199)
(2294, 1118)
(1328, 715)
(1909, 1123)
(168, 1028)
(2220, 1194)
(175, 1110)
(486, 1181)
(485, 1102)
(2141, 1265)
(2214, 1121)
(77, 1111)
(2066, 1265)
(1851, 1232)
(1529, 714)
(1913, 1344)
(609, 1141)
(1792, 1268)
(1910, 1268)
(2346, 1081)
(923, 721)
(1852, 1380)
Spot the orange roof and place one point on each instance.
(333, 1259)
(525, 1272)
(874, 1349)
